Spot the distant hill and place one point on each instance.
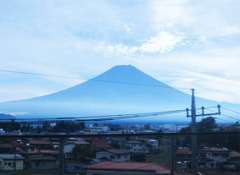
(6, 116)
(121, 90)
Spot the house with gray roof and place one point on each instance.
(114, 155)
(10, 162)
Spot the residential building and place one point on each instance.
(41, 162)
(234, 160)
(129, 168)
(41, 143)
(71, 144)
(49, 152)
(99, 129)
(135, 146)
(100, 144)
(213, 158)
(117, 142)
(26, 148)
(6, 148)
(153, 143)
(10, 162)
(114, 155)
(183, 154)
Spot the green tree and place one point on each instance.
(206, 125)
(82, 153)
(10, 126)
(68, 127)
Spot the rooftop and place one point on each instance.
(130, 166)
(118, 151)
(11, 156)
(39, 142)
(214, 149)
(183, 151)
(46, 151)
(101, 144)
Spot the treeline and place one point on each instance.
(61, 126)
(207, 125)
(10, 126)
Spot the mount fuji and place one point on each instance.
(120, 90)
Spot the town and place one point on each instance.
(95, 148)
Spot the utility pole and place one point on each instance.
(193, 136)
(172, 154)
(61, 156)
(194, 165)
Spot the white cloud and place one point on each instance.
(228, 30)
(209, 86)
(163, 42)
(171, 12)
(14, 113)
(84, 38)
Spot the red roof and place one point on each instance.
(183, 151)
(78, 141)
(103, 144)
(235, 154)
(130, 166)
(39, 142)
(46, 151)
(213, 149)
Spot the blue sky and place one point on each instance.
(184, 43)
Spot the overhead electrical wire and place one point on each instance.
(231, 117)
(234, 118)
(231, 110)
(222, 119)
(98, 80)
(39, 74)
(104, 117)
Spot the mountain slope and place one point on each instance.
(122, 89)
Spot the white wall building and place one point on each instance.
(114, 155)
(99, 129)
(7, 162)
(135, 147)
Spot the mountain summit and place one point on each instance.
(120, 90)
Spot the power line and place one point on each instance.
(222, 119)
(104, 117)
(39, 74)
(230, 117)
(231, 110)
(227, 115)
(98, 80)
